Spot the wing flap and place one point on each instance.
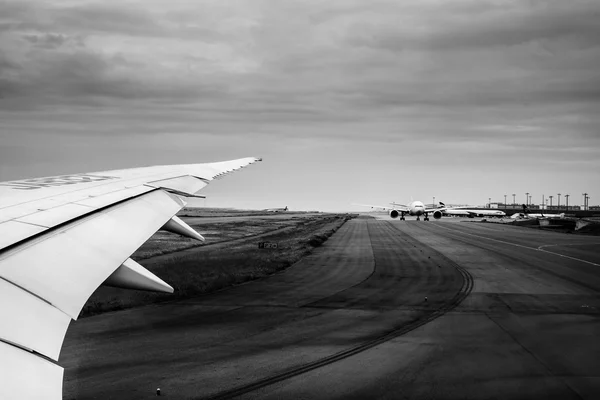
(65, 266)
(33, 324)
(27, 376)
(185, 184)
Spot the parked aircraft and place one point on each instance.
(472, 212)
(526, 214)
(276, 209)
(61, 238)
(413, 208)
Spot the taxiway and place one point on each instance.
(384, 309)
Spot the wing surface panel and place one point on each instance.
(100, 189)
(60, 238)
(428, 210)
(14, 231)
(55, 216)
(22, 209)
(31, 322)
(67, 265)
(184, 184)
(102, 200)
(384, 208)
(25, 376)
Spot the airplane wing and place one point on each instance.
(61, 237)
(432, 209)
(398, 207)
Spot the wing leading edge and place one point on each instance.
(61, 238)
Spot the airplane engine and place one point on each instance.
(437, 214)
(394, 214)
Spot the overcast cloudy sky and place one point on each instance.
(346, 101)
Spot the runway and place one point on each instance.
(385, 309)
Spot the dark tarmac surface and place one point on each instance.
(510, 313)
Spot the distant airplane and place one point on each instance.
(276, 209)
(472, 212)
(527, 214)
(413, 208)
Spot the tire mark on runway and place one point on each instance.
(356, 284)
(461, 294)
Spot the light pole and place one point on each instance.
(489, 202)
(587, 203)
(514, 200)
(567, 197)
(558, 204)
(527, 198)
(551, 201)
(433, 202)
(584, 200)
(504, 201)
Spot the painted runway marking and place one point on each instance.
(540, 248)
(526, 247)
(567, 244)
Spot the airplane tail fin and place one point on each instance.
(441, 204)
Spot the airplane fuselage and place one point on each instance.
(537, 216)
(416, 208)
(468, 212)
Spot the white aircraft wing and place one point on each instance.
(399, 207)
(429, 210)
(60, 238)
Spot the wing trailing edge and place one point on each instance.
(61, 238)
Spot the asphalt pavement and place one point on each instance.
(384, 309)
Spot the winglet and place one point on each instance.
(131, 275)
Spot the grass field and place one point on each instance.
(229, 256)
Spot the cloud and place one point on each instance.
(47, 41)
(404, 67)
(475, 24)
(509, 128)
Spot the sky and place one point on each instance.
(346, 101)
